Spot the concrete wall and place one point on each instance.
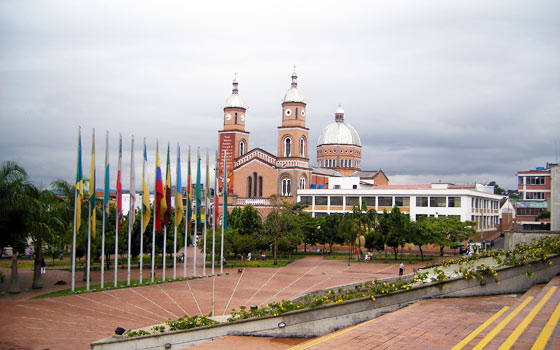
(511, 239)
(329, 318)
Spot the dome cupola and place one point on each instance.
(235, 100)
(294, 94)
(339, 132)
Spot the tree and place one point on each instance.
(14, 214)
(46, 222)
(327, 233)
(497, 188)
(394, 227)
(308, 226)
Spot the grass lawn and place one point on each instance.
(381, 259)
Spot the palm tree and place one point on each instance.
(14, 213)
(47, 221)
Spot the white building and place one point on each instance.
(467, 202)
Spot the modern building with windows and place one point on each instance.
(476, 203)
(534, 196)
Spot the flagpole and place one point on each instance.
(224, 196)
(142, 216)
(185, 245)
(155, 213)
(214, 213)
(105, 207)
(74, 241)
(92, 171)
(78, 171)
(188, 210)
(205, 218)
(118, 211)
(131, 210)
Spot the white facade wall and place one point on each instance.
(486, 209)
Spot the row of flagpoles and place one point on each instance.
(162, 210)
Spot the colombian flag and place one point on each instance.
(159, 192)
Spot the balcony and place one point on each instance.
(256, 202)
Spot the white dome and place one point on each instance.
(339, 133)
(294, 95)
(235, 101)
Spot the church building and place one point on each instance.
(256, 176)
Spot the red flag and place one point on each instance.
(159, 191)
(119, 188)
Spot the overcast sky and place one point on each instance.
(457, 91)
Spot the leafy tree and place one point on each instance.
(543, 215)
(327, 233)
(394, 227)
(15, 203)
(46, 221)
(308, 226)
(497, 188)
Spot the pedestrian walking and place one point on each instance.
(401, 269)
(249, 256)
(43, 266)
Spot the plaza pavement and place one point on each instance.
(73, 322)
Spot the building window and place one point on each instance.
(255, 184)
(421, 201)
(385, 201)
(241, 148)
(352, 201)
(437, 202)
(235, 117)
(296, 113)
(306, 200)
(260, 186)
(454, 202)
(370, 201)
(402, 201)
(534, 180)
(286, 187)
(287, 147)
(534, 195)
(321, 200)
(249, 186)
(302, 183)
(302, 147)
(336, 200)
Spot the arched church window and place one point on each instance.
(286, 187)
(287, 147)
(297, 113)
(302, 183)
(241, 148)
(249, 186)
(302, 147)
(235, 117)
(260, 186)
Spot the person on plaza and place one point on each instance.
(182, 256)
(61, 256)
(249, 256)
(401, 269)
(223, 261)
(43, 266)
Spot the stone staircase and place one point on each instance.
(531, 323)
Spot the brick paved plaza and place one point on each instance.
(73, 322)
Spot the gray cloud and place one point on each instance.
(464, 91)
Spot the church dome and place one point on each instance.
(294, 94)
(339, 132)
(235, 100)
